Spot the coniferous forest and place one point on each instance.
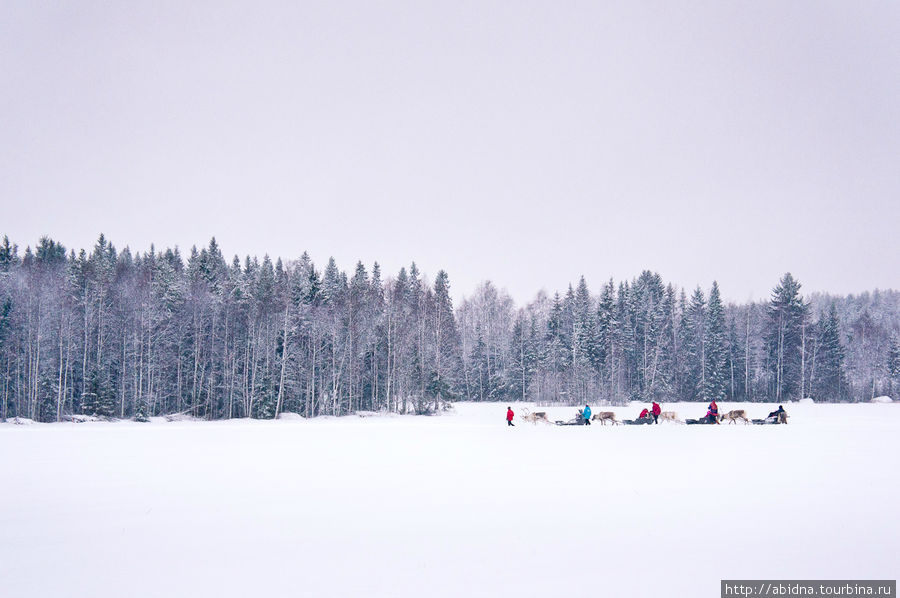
(111, 333)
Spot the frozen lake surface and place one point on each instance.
(456, 505)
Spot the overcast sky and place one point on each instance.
(524, 142)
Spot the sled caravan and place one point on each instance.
(585, 417)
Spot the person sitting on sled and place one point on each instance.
(712, 413)
(776, 415)
(644, 414)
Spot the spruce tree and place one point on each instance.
(829, 383)
(715, 348)
(695, 362)
(606, 325)
(735, 369)
(8, 255)
(784, 339)
(625, 343)
(584, 339)
(447, 361)
(556, 354)
(140, 413)
(893, 365)
(478, 359)
(98, 400)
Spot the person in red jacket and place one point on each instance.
(509, 416)
(644, 414)
(712, 414)
(656, 411)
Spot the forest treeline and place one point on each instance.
(115, 334)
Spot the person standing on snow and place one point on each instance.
(656, 411)
(509, 417)
(586, 414)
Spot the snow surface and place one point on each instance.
(453, 505)
(882, 400)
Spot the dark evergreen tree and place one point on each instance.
(479, 361)
(693, 326)
(734, 365)
(556, 354)
(715, 348)
(893, 366)
(784, 339)
(98, 400)
(447, 362)
(584, 342)
(625, 346)
(606, 335)
(8, 255)
(829, 383)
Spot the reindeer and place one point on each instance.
(670, 416)
(605, 416)
(535, 417)
(734, 415)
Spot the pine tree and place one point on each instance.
(584, 340)
(784, 339)
(376, 343)
(694, 333)
(97, 400)
(8, 255)
(669, 346)
(715, 348)
(735, 370)
(830, 383)
(140, 413)
(447, 361)
(357, 327)
(417, 326)
(649, 319)
(606, 334)
(478, 359)
(556, 352)
(625, 345)
(893, 365)
(332, 289)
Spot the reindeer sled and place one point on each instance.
(578, 421)
(703, 420)
(601, 416)
(778, 418)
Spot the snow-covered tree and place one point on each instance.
(785, 339)
(715, 348)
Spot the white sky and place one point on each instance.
(525, 142)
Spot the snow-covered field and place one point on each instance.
(456, 505)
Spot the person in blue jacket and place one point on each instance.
(586, 414)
